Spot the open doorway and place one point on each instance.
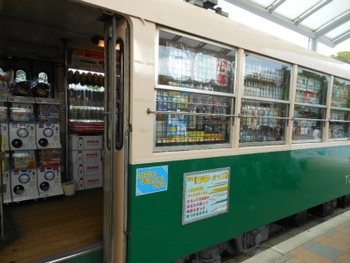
(55, 38)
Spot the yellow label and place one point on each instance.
(219, 189)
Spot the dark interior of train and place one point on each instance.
(38, 31)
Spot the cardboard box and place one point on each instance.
(88, 182)
(83, 157)
(85, 142)
(86, 169)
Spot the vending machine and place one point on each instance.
(49, 181)
(48, 126)
(49, 147)
(23, 176)
(24, 185)
(4, 147)
(4, 126)
(6, 181)
(22, 126)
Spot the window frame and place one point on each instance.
(336, 108)
(324, 106)
(161, 87)
(267, 100)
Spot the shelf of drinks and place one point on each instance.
(308, 98)
(340, 103)
(264, 87)
(261, 133)
(257, 142)
(272, 75)
(167, 83)
(85, 127)
(264, 93)
(177, 140)
(338, 130)
(340, 96)
(264, 100)
(310, 107)
(299, 136)
(165, 105)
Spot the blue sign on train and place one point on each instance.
(151, 180)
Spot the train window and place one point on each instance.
(190, 63)
(262, 123)
(21, 75)
(340, 110)
(311, 88)
(310, 106)
(265, 101)
(308, 122)
(43, 78)
(194, 92)
(265, 78)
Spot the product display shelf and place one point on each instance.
(191, 118)
(86, 97)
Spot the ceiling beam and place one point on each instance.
(275, 5)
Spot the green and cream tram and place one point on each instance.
(212, 130)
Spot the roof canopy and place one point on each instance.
(324, 21)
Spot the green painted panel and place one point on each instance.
(263, 188)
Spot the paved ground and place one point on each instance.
(320, 240)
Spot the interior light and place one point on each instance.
(101, 43)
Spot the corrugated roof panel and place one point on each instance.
(321, 20)
(263, 3)
(338, 31)
(292, 9)
(326, 14)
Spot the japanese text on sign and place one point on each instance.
(151, 180)
(205, 194)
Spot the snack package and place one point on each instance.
(5, 82)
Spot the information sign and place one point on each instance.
(151, 180)
(205, 194)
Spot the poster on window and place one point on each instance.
(205, 194)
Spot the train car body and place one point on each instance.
(172, 190)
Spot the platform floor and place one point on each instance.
(327, 242)
(38, 229)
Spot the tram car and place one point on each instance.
(212, 130)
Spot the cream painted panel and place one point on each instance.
(142, 72)
(143, 43)
(143, 55)
(212, 153)
(189, 18)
